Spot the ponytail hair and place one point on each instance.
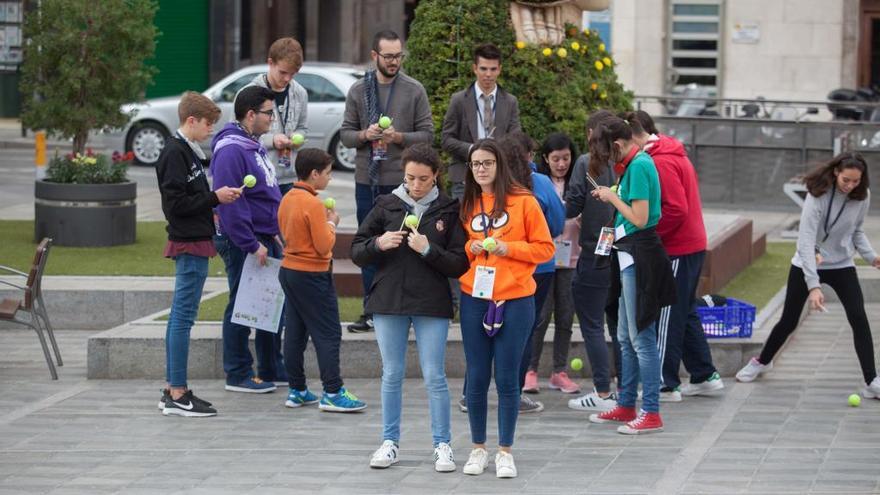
(602, 142)
(824, 177)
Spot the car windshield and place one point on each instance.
(229, 91)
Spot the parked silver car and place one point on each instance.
(327, 84)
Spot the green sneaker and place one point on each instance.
(712, 384)
(343, 401)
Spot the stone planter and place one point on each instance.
(85, 214)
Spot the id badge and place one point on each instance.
(563, 253)
(606, 240)
(484, 282)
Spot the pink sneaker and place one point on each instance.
(531, 385)
(561, 381)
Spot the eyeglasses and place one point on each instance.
(485, 164)
(270, 113)
(390, 57)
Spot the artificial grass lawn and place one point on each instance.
(758, 283)
(144, 257)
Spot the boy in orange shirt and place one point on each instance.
(311, 308)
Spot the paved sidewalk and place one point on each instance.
(791, 432)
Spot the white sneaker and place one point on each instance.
(384, 456)
(872, 391)
(752, 370)
(712, 384)
(443, 458)
(593, 402)
(673, 395)
(477, 462)
(504, 466)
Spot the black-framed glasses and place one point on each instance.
(485, 164)
(390, 57)
(270, 113)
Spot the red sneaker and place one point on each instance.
(619, 414)
(647, 422)
(531, 383)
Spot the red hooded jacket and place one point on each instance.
(681, 225)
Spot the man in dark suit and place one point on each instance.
(481, 110)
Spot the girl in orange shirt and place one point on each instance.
(508, 237)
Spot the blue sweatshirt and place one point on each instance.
(236, 154)
(554, 211)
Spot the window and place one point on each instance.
(694, 53)
(319, 89)
(227, 94)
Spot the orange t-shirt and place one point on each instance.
(309, 238)
(523, 227)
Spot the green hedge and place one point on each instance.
(557, 86)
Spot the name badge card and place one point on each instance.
(606, 240)
(484, 282)
(563, 253)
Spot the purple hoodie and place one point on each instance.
(235, 154)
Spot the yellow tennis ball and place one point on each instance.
(411, 221)
(489, 244)
(329, 203)
(854, 400)
(577, 364)
(297, 139)
(250, 180)
(384, 122)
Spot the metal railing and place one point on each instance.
(745, 162)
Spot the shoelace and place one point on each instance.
(639, 420)
(350, 396)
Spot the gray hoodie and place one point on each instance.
(843, 238)
(296, 113)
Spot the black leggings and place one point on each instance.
(846, 284)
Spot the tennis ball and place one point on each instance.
(411, 221)
(384, 122)
(297, 139)
(854, 400)
(489, 244)
(329, 203)
(613, 188)
(250, 180)
(577, 364)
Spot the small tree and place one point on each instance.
(557, 86)
(82, 60)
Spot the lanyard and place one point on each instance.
(284, 118)
(828, 213)
(383, 110)
(487, 223)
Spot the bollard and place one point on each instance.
(40, 158)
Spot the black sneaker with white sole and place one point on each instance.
(166, 394)
(188, 405)
(363, 325)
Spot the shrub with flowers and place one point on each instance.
(557, 86)
(89, 168)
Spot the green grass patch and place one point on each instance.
(758, 283)
(144, 257)
(212, 309)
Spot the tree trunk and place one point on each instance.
(79, 142)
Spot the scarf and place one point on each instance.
(371, 104)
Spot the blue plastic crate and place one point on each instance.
(733, 320)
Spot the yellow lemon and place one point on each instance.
(587, 33)
(603, 95)
(607, 61)
(601, 47)
(562, 52)
(599, 65)
(575, 46)
(520, 45)
(594, 86)
(547, 52)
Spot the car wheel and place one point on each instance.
(146, 141)
(343, 158)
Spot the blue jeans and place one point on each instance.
(237, 359)
(506, 350)
(364, 200)
(638, 350)
(311, 310)
(190, 273)
(392, 335)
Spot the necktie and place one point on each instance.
(488, 115)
